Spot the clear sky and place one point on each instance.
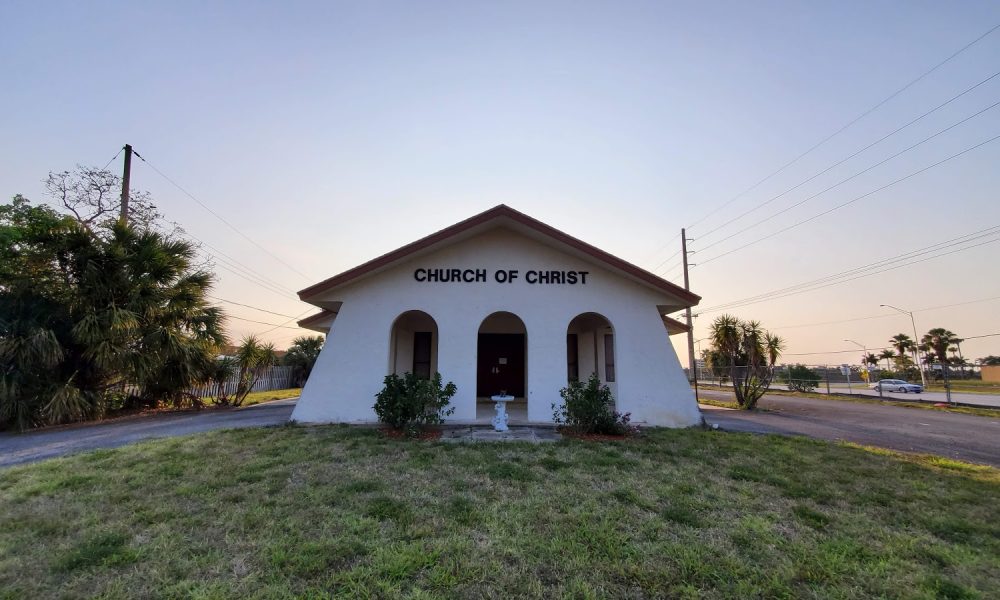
(333, 132)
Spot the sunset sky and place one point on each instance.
(330, 133)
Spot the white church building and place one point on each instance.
(498, 303)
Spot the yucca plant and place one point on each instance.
(749, 353)
(253, 359)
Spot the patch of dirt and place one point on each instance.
(595, 437)
(402, 434)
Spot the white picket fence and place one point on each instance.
(274, 378)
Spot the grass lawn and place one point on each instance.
(966, 386)
(259, 397)
(318, 511)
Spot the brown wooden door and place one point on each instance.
(500, 364)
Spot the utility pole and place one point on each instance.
(126, 175)
(687, 314)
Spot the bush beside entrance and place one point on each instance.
(589, 408)
(411, 402)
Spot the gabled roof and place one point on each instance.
(501, 213)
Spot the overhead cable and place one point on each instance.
(846, 126)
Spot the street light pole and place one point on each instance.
(864, 358)
(916, 359)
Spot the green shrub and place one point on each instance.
(590, 409)
(801, 378)
(410, 402)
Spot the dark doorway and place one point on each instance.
(422, 349)
(501, 364)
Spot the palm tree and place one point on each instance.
(887, 355)
(902, 343)
(872, 361)
(940, 339)
(301, 356)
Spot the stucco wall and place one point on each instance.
(650, 382)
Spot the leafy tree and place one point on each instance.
(82, 315)
(301, 356)
(748, 352)
(801, 378)
(93, 197)
(990, 361)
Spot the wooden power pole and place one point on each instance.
(126, 175)
(692, 361)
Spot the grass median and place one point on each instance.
(992, 413)
(317, 511)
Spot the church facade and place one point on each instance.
(498, 304)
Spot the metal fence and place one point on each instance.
(821, 378)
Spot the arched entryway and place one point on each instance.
(502, 364)
(413, 344)
(590, 348)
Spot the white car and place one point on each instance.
(896, 385)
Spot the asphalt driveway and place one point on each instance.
(18, 448)
(970, 438)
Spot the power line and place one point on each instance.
(231, 265)
(971, 337)
(830, 352)
(665, 260)
(283, 325)
(113, 158)
(962, 239)
(842, 161)
(225, 265)
(249, 306)
(812, 289)
(657, 251)
(885, 315)
(672, 267)
(845, 127)
(221, 218)
(245, 268)
(261, 323)
(852, 201)
(843, 181)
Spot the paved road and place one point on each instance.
(37, 445)
(966, 437)
(988, 400)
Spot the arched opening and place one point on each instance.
(502, 365)
(413, 344)
(590, 348)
